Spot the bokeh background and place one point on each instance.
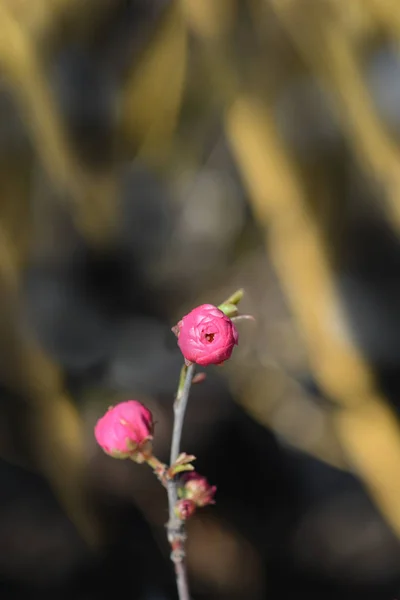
(154, 155)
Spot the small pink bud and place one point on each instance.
(199, 378)
(206, 336)
(126, 431)
(184, 509)
(197, 489)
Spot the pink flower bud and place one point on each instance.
(126, 431)
(206, 336)
(184, 509)
(197, 489)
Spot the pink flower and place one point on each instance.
(184, 509)
(197, 489)
(126, 431)
(206, 336)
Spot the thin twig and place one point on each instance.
(180, 404)
(176, 530)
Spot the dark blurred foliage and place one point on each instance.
(154, 155)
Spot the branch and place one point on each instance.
(176, 530)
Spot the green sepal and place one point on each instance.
(180, 469)
(229, 309)
(235, 298)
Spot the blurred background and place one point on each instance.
(155, 155)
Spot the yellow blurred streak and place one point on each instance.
(20, 64)
(324, 448)
(357, 20)
(368, 435)
(299, 255)
(295, 244)
(329, 51)
(152, 96)
(42, 18)
(387, 14)
(210, 19)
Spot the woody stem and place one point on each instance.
(180, 405)
(176, 530)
